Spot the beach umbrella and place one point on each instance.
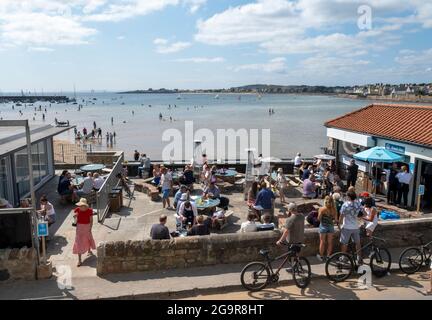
(325, 157)
(378, 155)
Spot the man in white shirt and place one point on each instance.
(250, 225)
(97, 181)
(404, 178)
(86, 185)
(166, 185)
(298, 160)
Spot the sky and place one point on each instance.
(52, 45)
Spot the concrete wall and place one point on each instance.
(18, 264)
(133, 256)
(107, 158)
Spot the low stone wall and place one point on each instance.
(134, 256)
(18, 264)
(107, 158)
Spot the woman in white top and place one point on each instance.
(250, 225)
(371, 218)
(47, 210)
(281, 184)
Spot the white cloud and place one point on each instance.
(276, 65)
(121, 38)
(286, 27)
(194, 5)
(201, 60)
(164, 46)
(40, 49)
(413, 58)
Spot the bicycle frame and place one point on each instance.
(371, 244)
(287, 256)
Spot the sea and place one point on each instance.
(296, 125)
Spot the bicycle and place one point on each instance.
(340, 265)
(262, 274)
(412, 258)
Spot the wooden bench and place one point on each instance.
(224, 186)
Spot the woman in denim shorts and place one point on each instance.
(326, 216)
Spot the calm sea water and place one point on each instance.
(296, 125)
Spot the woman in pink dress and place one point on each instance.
(84, 241)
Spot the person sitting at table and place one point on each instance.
(98, 181)
(200, 229)
(267, 224)
(250, 225)
(213, 192)
(160, 231)
(309, 187)
(86, 186)
(307, 172)
(337, 182)
(328, 179)
(66, 188)
(47, 210)
(188, 177)
(187, 214)
(61, 177)
(182, 190)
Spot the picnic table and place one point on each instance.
(92, 167)
(206, 205)
(227, 175)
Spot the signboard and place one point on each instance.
(421, 190)
(412, 168)
(42, 229)
(395, 148)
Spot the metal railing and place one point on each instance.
(102, 196)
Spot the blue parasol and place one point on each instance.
(378, 154)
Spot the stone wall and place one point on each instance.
(134, 256)
(18, 264)
(107, 158)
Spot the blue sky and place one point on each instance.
(137, 44)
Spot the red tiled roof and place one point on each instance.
(408, 123)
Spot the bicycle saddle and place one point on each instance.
(264, 252)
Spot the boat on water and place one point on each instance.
(178, 97)
(19, 104)
(216, 96)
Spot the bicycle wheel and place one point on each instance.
(411, 260)
(380, 262)
(339, 267)
(255, 276)
(302, 272)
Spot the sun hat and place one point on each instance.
(82, 202)
(3, 202)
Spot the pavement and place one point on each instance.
(164, 284)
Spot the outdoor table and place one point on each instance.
(92, 167)
(226, 175)
(205, 205)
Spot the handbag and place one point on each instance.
(74, 223)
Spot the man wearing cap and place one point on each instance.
(294, 228)
(177, 196)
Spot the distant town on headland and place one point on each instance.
(376, 91)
